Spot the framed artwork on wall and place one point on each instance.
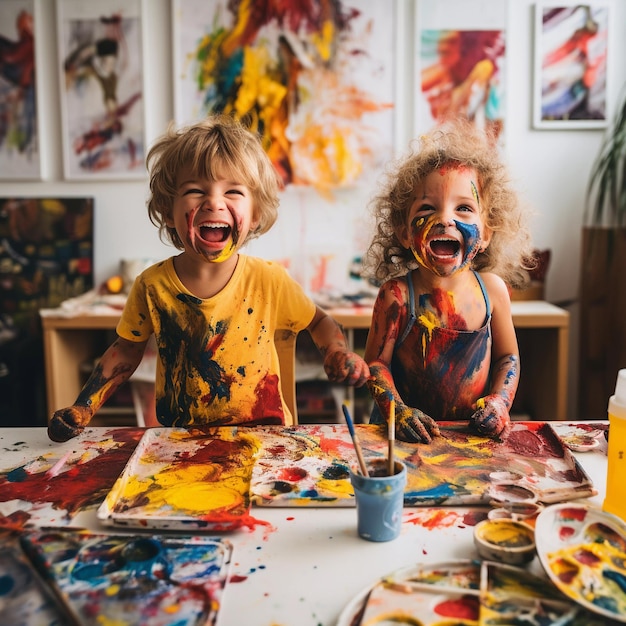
(318, 87)
(102, 93)
(46, 254)
(19, 132)
(461, 63)
(571, 59)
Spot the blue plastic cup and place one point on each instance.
(379, 500)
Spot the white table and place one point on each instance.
(308, 564)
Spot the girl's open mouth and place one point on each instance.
(444, 247)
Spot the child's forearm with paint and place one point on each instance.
(340, 364)
(411, 424)
(115, 367)
(492, 415)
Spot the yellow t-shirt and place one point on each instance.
(217, 360)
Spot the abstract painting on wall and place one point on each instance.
(46, 254)
(314, 79)
(102, 99)
(461, 64)
(571, 55)
(19, 139)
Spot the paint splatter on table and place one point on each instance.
(52, 488)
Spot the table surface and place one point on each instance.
(298, 565)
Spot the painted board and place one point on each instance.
(132, 579)
(186, 478)
(64, 480)
(308, 465)
(208, 478)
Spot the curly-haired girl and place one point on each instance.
(451, 238)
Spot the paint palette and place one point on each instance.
(583, 551)
(463, 593)
(185, 478)
(128, 580)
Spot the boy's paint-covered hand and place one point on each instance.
(69, 422)
(491, 417)
(342, 366)
(415, 426)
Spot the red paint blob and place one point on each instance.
(292, 474)
(466, 607)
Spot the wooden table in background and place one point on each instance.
(542, 330)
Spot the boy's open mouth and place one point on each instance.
(445, 247)
(214, 233)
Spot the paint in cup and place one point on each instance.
(379, 500)
(615, 500)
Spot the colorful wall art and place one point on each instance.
(46, 254)
(314, 79)
(461, 64)
(101, 84)
(19, 133)
(571, 56)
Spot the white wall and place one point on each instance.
(550, 167)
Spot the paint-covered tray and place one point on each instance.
(132, 579)
(464, 593)
(185, 479)
(583, 550)
(308, 465)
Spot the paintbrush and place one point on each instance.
(355, 441)
(391, 434)
(58, 466)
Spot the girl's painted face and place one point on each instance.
(445, 229)
(212, 218)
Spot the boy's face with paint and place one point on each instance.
(445, 228)
(212, 218)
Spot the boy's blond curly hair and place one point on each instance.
(214, 148)
(510, 252)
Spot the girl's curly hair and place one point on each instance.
(509, 254)
(213, 148)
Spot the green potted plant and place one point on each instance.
(603, 273)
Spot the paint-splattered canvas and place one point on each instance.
(181, 479)
(308, 466)
(101, 84)
(315, 79)
(208, 478)
(128, 580)
(19, 137)
(46, 254)
(69, 479)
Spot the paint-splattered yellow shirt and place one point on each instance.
(217, 358)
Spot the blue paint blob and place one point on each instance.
(6, 585)
(17, 475)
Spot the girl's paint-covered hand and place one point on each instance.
(342, 366)
(415, 426)
(492, 416)
(69, 422)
